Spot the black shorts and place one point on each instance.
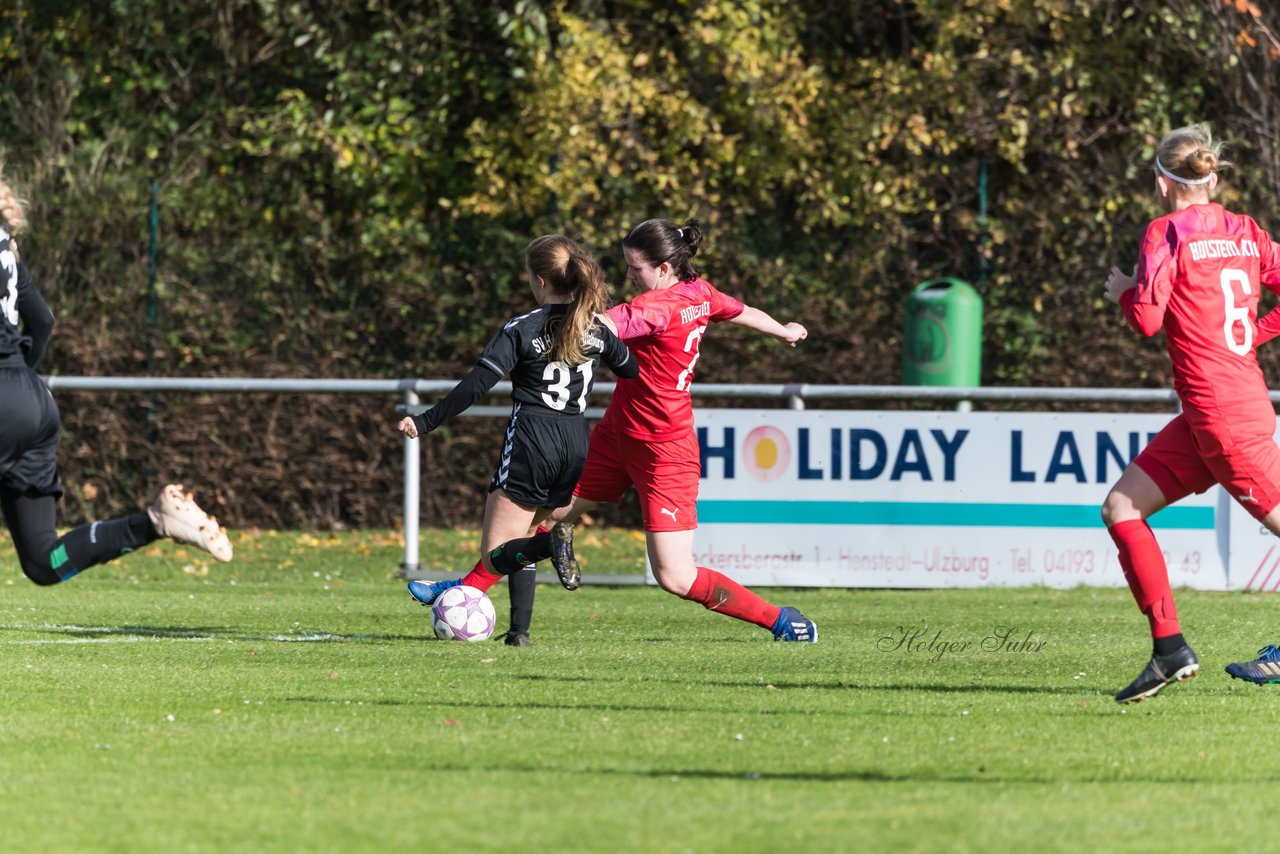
(542, 457)
(29, 431)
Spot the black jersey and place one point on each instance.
(25, 319)
(520, 349)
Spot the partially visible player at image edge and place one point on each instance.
(1198, 276)
(647, 439)
(30, 428)
(551, 355)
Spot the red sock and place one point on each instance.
(1144, 569)
(481, 578)
(722, 594)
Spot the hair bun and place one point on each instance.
(1203, 161)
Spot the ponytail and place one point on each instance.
(659, 240)
(585, 280)
(569, 270)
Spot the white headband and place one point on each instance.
(1189, 181)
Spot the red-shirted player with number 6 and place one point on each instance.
(1198, 277)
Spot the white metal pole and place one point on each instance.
(412, 494)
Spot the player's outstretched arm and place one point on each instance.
(1269, 273)
(407, 427)
(1145, 314)
(607, 322)
(762, 321)
(1118, 282)
(1268, 327)
(473, 387)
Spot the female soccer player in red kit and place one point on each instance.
(646, 438)
(1198, 277)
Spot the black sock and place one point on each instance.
(522, 586)
(514, 555)
(99, 542)
(1166, 645)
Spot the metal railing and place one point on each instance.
(793, 394)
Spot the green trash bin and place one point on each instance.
(942, 340)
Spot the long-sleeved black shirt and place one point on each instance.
(520, 349)
(25, 320)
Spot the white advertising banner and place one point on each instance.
(946, 499)
(1253, 552)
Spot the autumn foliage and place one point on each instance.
(345, 190)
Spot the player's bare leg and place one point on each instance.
(1265, 669)
(671, 557)
(1134, 496)
(1133, 499)
(1272, 521)
(505, 521)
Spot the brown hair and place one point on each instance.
(13, 210)
(567, 269)
(659, 240)
(1190, 152)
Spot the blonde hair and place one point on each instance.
(13, 210)
(1190, 153)
(567, 269)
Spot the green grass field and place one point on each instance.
(297, 700)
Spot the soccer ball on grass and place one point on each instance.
(463, 613)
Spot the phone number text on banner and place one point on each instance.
(939, 499)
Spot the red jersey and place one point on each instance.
(664, 330)
(1198, 276)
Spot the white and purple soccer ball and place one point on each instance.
(463, 613)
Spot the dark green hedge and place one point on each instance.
(345, 190)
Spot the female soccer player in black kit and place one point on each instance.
(29, 430)
(551, 355)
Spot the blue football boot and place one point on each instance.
(1263, 670)
(791, 625)
(427, 592)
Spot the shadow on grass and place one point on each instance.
(914, 778)
(853, 775)
(525, 706)
(829, 686)
(786, 710)
(194, 633)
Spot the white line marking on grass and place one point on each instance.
(118, 634)
(118, 639)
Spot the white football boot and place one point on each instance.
(177, 516)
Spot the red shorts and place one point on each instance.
(665, 475)
(1195, 451)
